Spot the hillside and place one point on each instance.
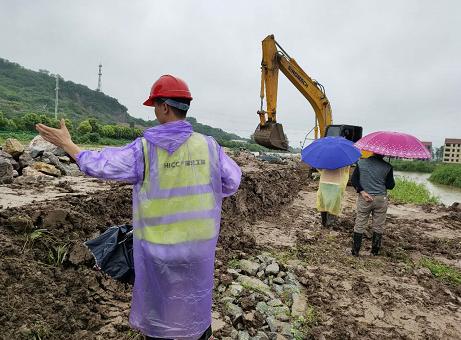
(25, 91)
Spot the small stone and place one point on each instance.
(262, 307)
(25, 160)
(233, 272)
(49, 158)
(261, 336)
(28, 171)
(278, 280)
(243, 335)
(46, 169)
(217, 323)
(235, 289)
(13, 147)
(298, 308)
(275, 302)
(226, 279)
(255, 284)
(422, 272)
(64, 159)
(248, 302)
(272, 269)
(6, 171)
(234, 312)
(249, 319)
(249, 267)
(291, 279)
(281, 274)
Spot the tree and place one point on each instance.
(95, 126)
(30, 120)
(84, 127)
(108, 131)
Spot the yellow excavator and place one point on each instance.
(269, 133)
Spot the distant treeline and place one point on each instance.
(414, 166)
(94, 132)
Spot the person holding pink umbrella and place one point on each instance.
(373, 177)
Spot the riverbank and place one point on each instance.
(446, 194)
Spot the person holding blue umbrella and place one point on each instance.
(331, 156)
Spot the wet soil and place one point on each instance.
(51, 291)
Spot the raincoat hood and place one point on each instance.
(169, 136)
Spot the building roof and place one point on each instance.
(452, 140)
(427, 143)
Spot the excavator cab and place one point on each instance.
(350, 132)
(271, 136)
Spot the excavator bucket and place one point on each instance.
(271, 136)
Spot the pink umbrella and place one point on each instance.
(395, 144)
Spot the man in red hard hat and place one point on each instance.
(180, 178)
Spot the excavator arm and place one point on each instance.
(269, 133)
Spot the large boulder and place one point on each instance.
(38, 146)
(13, 147)
(6, 171)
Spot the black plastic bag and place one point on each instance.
(113, 252)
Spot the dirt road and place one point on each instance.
(51, 291)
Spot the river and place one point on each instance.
(447, 194)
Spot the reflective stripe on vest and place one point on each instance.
(188, 166)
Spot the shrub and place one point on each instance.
(448, 174)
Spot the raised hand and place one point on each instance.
(59, 137)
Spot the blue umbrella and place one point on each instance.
(330, 153)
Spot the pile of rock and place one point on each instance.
(40, 160)
(259, 299)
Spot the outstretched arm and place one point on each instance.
(117, 163)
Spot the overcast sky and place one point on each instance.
(385, 65)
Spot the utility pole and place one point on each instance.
(56, 100)
(99, 78)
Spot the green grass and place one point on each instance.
(414, 165)
(301, 326)
(448, 174)
(21, 136)
(407, 191)
(442, 271)
(57, 254)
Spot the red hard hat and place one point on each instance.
(170, 87)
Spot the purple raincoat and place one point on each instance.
(172, 294)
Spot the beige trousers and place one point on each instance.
(377, 208)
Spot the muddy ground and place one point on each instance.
(50, 290)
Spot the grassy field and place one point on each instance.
(414, 166)
(448, 174)
(407, 191)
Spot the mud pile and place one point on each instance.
(51, 290)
